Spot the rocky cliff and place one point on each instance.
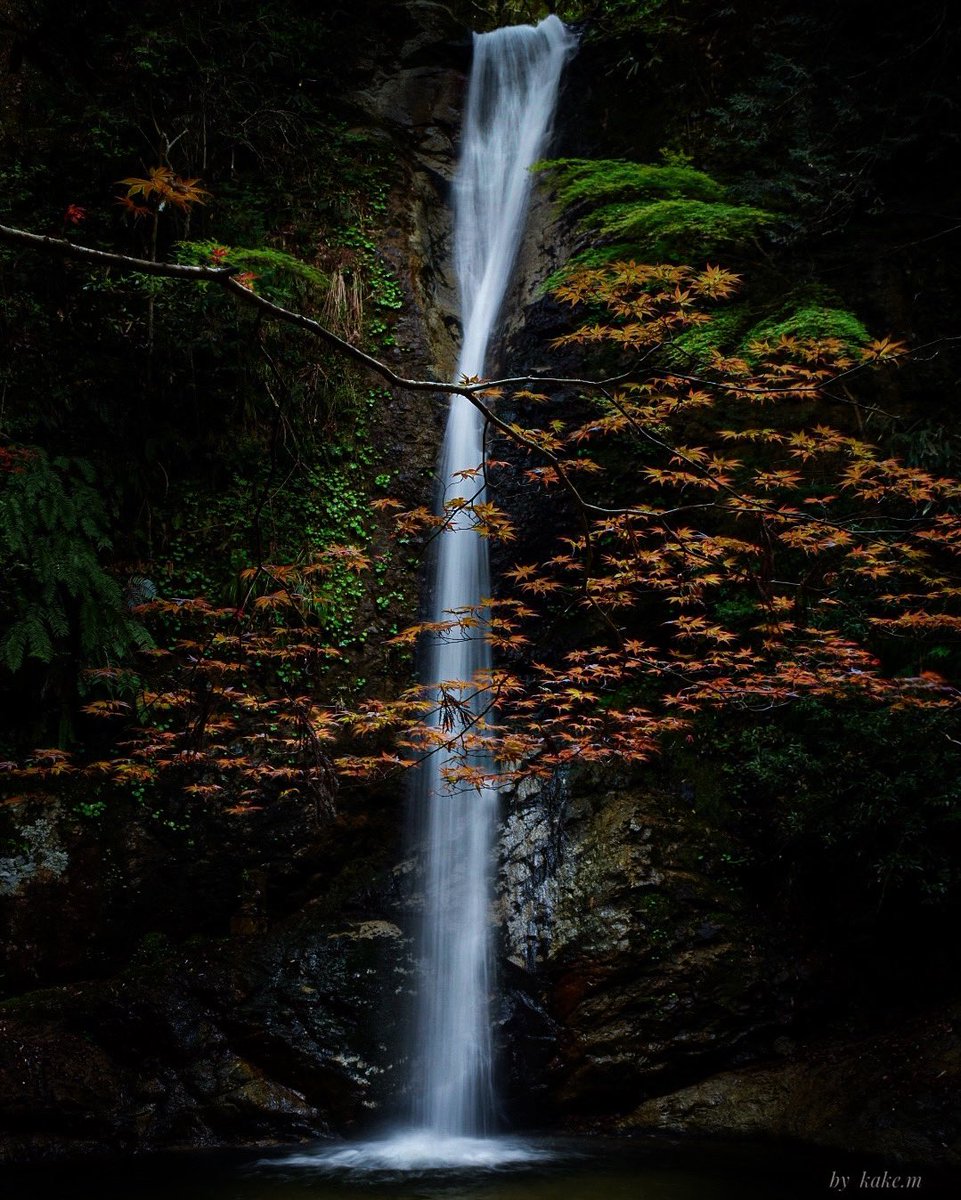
(177, 978)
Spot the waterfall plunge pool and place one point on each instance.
(419, 1150)
(535, 1168)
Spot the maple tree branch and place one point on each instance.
(225, 277)
(749, 503)
(106, 258)
(753, 389)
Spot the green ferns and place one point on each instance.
(811, 322)
(275, 268)
(736, 330)
(598, 181)
(678, 230)
(668, 213)
(54, 595)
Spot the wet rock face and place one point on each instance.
(81, 895)
(890, 1094)
(274, 1040)
(228, 983)
(219, 982)
(645, 990)
(416, 102)
(212, 980)
(650, 969)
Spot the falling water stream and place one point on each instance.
(510, 105)
(450, 1129)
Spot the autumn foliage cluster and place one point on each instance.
(749, 551)
(727, 535)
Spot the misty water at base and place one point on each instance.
(564, 1169)
(511, 100)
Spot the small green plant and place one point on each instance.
(91, 809)
(810, 321)
(272, 268)
(650, 212)
(55, 597)
(596, 181)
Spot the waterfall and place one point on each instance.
(510, 104)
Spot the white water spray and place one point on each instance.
(510, 105)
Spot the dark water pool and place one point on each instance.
(587, 1169)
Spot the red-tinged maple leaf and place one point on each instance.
(164, 186)
(130, 206)
(53, 755)
(106, 708)
(882, 348)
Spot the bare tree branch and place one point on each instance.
(225, 277)
(105, 258)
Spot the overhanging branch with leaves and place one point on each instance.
(796, 566)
